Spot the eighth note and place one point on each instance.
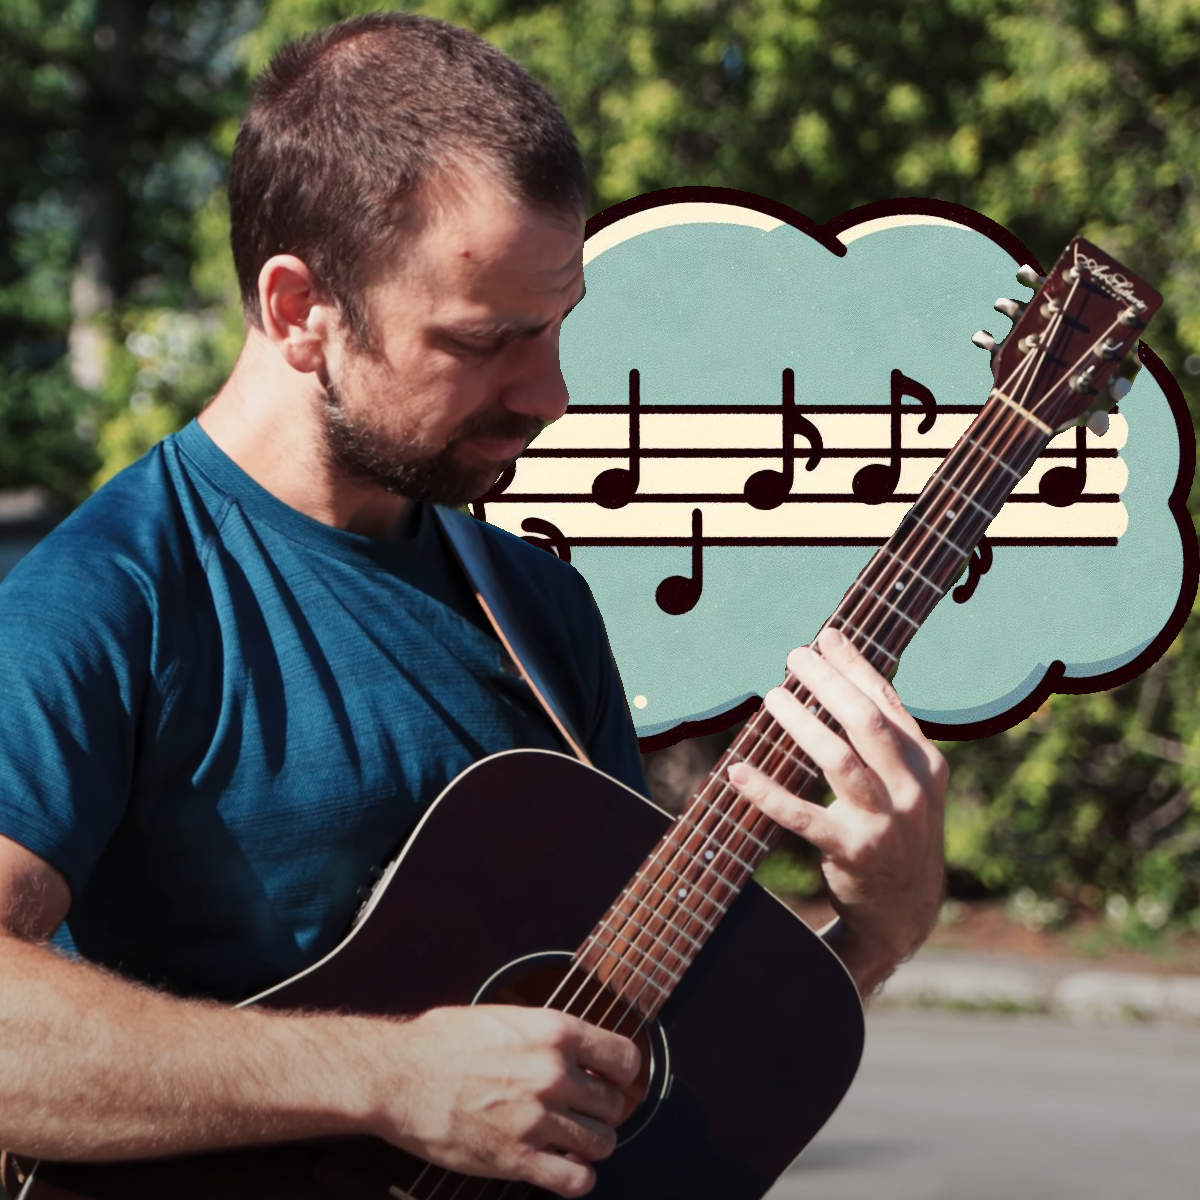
(978, 565)
(615, 487)
(1064, 485)
(876, 482)
(678, 594)
(769, 488)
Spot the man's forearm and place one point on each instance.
(95, 1068)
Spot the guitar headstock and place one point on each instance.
(1073, 349)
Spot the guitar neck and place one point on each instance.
(1049, 373)
(663, 917)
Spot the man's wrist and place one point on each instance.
(869, 961)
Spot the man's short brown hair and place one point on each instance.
(346, 126)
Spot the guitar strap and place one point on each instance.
(512, 625)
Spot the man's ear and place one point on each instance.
(294, 316)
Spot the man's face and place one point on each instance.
(464, 366)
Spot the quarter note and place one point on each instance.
(769, 488)
(1061, 486)
(876, 482)
(678, 594)
(615, 487)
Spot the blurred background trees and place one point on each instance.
(118, 310)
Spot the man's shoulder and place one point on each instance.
(127, 535)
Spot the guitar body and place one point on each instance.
(520, 856)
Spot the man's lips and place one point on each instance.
(498, 449)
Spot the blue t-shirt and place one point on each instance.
(217, 714)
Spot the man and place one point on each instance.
(235, 676)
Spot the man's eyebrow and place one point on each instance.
(502, 329)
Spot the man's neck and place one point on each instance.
(265, 418)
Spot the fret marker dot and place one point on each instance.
(950, 515)
(640, 702)
(812, 708)
(899, 586)
(682, 893)
(709, 856)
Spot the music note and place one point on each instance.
(678, 594)
(615, 487)
(479, 507)
(769, 488)
(876, 482)
(978, 565)
(548, 537)
(1064, 485)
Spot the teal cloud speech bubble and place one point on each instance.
(756, 402)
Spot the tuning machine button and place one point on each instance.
(1084, 382)
(984, 340)
(1010, 308)
(1029, 277)
(1118, 389)
(1097, 422)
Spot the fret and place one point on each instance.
(967, 496)
(998, 461)
(721, 814)
(941, 591)
(691, 913)
(780, 749)
(605, 950)
(888, 604)
(940, 536)
(644, 951)
(710, 865)
(892, 658)
(680, 876)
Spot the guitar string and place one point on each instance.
(631, 918)
(937, 591)
(871, 603)
(667, 923)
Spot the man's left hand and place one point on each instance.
(881, 837)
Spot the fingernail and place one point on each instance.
(738, 773)
(832, 637)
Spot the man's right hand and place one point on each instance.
(508, 1093)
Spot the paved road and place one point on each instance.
(954, 1106)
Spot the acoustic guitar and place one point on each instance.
(750, 1028)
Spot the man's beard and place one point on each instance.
(356, 450)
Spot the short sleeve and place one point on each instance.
(74, 637)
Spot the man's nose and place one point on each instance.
(536, 385)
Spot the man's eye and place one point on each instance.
(476, 349)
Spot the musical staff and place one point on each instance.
(704, 476)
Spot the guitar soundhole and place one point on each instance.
(536, 979)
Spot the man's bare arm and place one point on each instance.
(95, 1068)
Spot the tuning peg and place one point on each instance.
(1118, 389)
(984, 340)
(1097, 422)
(1010, 308)
(1029, 277)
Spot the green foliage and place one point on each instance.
(1052, 118)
